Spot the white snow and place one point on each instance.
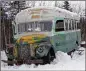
(62, 62)
(83, 42)
(26, 16)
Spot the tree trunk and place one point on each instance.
(0, 36)
(85, 30)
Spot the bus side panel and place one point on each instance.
(71, 41)
(59, 42)
(78, 32)
(64, 41)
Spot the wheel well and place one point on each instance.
(52, 52)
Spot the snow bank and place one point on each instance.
(3, 57)
(62, 57)
(26, 15)
(83, 42)
(62, 62)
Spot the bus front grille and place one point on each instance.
(24, 52)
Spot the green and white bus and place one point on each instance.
(41, 32)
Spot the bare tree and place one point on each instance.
(78, 8)
(8, 12)
(85, 29)
(58, 4)
(85, 22)
(0, 25)
(33, 4)
(40, 3)
(55, 3)
(44, 3)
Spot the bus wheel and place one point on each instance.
(10, 60)
(50, 57)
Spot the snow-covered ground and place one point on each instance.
(62, 62)
(83, 42)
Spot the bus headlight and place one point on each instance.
(40, 49)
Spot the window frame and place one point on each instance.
(34, 25)
(61, 27)
(66, 24)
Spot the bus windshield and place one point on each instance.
(37, 26)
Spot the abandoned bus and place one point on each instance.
(41, 32)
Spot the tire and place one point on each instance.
(46, 59)
(10, 64)
(49, 58)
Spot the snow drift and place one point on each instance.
(62, 62)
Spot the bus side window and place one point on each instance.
(59, 25)
(69, 24)
(66, 24)
(21, 27)
(19, 30)
(73, 24)
(78, 25)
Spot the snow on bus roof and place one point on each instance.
(26, 16)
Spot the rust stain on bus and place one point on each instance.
(35, 16)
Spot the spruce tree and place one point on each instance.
(67, 6)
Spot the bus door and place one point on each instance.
(59, 36)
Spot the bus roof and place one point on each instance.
(43, 13)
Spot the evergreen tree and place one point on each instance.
(67, 6)
(8, 12)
